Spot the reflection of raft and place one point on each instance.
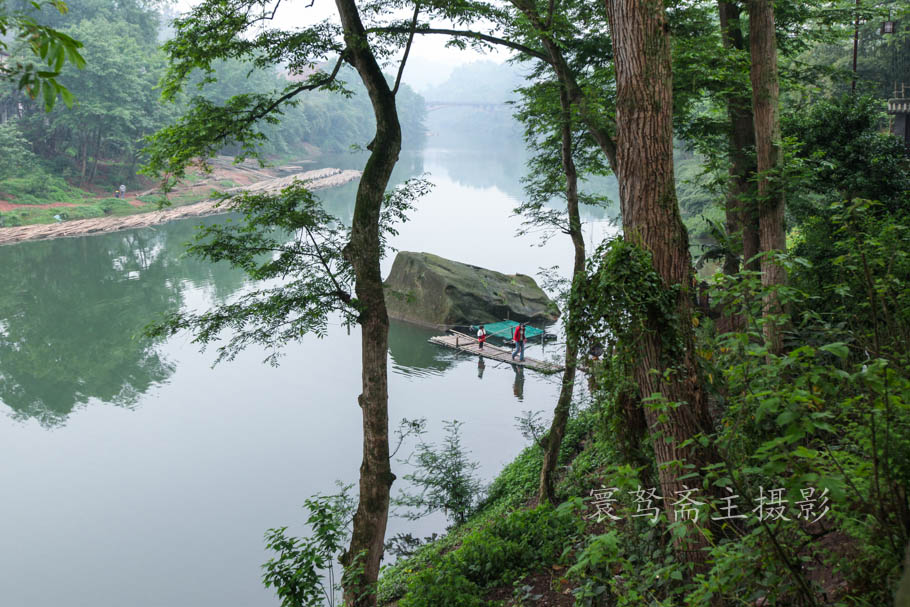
(469, 345)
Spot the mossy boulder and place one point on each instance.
(430, 290)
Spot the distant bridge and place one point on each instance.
(477, 105)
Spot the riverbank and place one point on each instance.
(317, 180)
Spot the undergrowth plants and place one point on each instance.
(813, 448)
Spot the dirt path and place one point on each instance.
(318, 180)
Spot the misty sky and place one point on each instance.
(430, 62)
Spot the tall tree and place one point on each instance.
(769, 157)
(323, 267)
(363, 252)
(566, 390)
(651, 220)
(564, 151)
(741, 215)
(559, 113)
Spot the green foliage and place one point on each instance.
(51, 47)
(39, 187)
(848, 156)
(623, 296)
(303, 572)
(816, 416)
(445, 479)
(99, 138)
(287, 234)
(15, 154)
(281, 235)
(830, 414)
(543, 209)
(517, 482)
(859, 271)
(495, 554)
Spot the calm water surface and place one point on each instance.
(134, 474)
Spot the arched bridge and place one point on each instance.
(476, 105)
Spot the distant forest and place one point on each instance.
(99, 142)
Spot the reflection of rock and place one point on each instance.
(430, 290)
(413, 354)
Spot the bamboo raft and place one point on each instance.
(469, 345)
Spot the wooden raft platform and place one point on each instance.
(469, 345)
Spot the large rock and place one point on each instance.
(430, 290)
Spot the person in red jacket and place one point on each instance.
(519, 338)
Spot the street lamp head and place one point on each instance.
(888, 27)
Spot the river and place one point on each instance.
(136, 474)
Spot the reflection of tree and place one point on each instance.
(412, 353)
(71, 312)
(473, 157)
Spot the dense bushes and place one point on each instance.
(497, 554)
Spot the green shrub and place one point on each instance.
(39, 187)
(442, 587)
(497, 554)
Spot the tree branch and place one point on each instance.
(253, 116)
(407, 48)
(394, 29)
(341, 293)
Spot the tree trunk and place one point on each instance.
(769, 159)
(84, 160)
(365, 552)
(561, 413)
(97, 152)
(651, 219)
(741, 212)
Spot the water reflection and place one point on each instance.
(498, 158)
(72, 311)
(518, 386)
(412, 353)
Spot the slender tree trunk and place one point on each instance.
(566, 76)
(769, 158)
(365, 552)
(97, 152)
(561, 413)
(84, 160)
(651, 219)
(741, 211)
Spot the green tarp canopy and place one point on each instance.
(506, 329)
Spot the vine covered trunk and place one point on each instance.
(665, 366)
(364, 555)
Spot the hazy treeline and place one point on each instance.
(98, 143)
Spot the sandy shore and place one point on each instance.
(317, 180)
